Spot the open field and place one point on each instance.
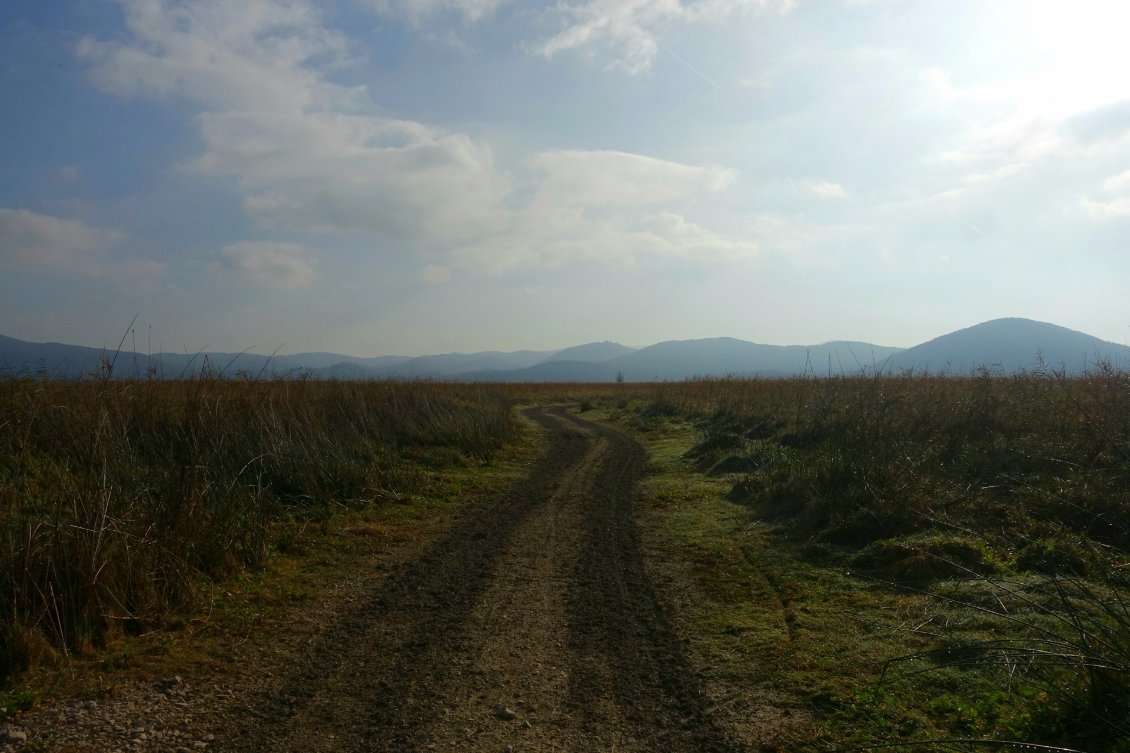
(711, 565)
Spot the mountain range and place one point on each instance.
(1000, 346)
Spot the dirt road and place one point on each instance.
(532, 626)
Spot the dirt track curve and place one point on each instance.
(532, 625)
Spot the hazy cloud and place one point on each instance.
(1007, 142)
(417, 11)
(553, 237)
(1106, 209)
(451, 40)
(249, 55)
(1116, 183)
(277, 265)
(672, 234)
(820, 189)
(308, 154)
(70, 175)
(602, 179)
(1101, 124)
(336, 172)
(627, 30)
(433, 274)
(610, 208)
(29, 240)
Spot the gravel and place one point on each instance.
(166, 716)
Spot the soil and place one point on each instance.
(531, 624)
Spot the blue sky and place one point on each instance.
(385, 176)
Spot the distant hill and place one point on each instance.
(63, 361)
(327, 360)
(1002, 345)
(548, 371)
(720, 356)
(54, 359)
(453, 364)
(592, 352)
(726, 356)
(1010, 345)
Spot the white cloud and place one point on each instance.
(433, 274)
(627, 30)
(29, 240)
(308, 154)
(273, 264)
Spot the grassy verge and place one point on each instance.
(844, 594)
(793, 650)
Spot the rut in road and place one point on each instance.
(539, 604)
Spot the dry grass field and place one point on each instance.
(845, 562)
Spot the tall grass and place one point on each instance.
(115, 497)
(854, 460)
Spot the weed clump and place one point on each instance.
(926, 558)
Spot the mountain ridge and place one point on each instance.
(1005, 345)
(594, 352)
(1009, 345)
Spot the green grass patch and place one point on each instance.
(823, 650)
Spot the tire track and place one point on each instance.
(623, 641)
(381, 671)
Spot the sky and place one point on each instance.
(377, 177)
